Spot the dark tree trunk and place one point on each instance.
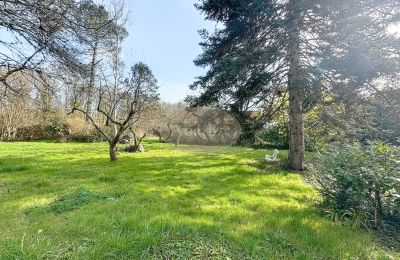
(113, 143)
(113, 152)
(378, 208)
(134, 138)
(296, 129)
(296, 124)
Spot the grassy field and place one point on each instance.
(67, 201)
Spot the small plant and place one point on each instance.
(75, 200)
(350, 217)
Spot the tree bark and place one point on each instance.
(378, 208)
(169, 134)
(296, 123)
(90, 87)
(113, 143)
(296, 140)
(179, 138)
(113, 152)
(134, 138)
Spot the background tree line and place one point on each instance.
(61, 57)
(294, 74)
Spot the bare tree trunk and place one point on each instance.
(90, 87)
(134, 138)
(178, 139)
(296, 123)
(113, 152)
(378, 208)
(158, 134)
(169, 134)
(180, 129)
(115, 141)
(141, 139)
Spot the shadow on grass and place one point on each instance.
(14, 168)
(11, 165)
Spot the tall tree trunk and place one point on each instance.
(296, 124)
(90, 87)
(113, 152)
(113, 143)
(169, 134)
(296, 139)
(179, 138)
(378, 208)
(134, 138)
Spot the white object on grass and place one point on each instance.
(273, 157)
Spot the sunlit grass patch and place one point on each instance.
(108, 179)
(35, 202)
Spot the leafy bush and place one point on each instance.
(54, 130)
(320, 131)
(57, 129)
(360, 184)
(33, 132)
(86, 137)
(81, 131)
(61, 129)
(276, 136)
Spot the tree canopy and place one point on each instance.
(263, 49)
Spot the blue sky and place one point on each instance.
(164, 34)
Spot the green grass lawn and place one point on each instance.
(68, 201)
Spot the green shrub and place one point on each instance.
(54, 130)
(82, 131)
(360, 184)
(275, 137)
(90, 137)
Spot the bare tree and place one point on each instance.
(15, 109)
(39, 34)
(102, 31)
(148, 124)
(32, 103)
(123, 105)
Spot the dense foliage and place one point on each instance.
(266, 53)
(361, 184)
